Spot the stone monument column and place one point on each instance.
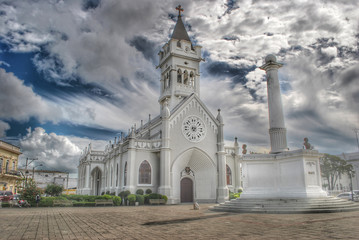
(277, 130)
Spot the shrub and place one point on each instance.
(148, 191)
(131, 198)
(47, 201)
(165, 198)
(106, 196)
(147, 198)
(139, 191)
(54, 189)
(5, 204)
(234, 195)
(78, 198)
(124, 194)
(116, 200)
(84, 204)
(154, 196)
(140, 199)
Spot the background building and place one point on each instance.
(46, 177)
(353, 159)
(9, 157)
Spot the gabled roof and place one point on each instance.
(175, 111)
(180, 32)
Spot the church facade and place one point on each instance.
(179, 153)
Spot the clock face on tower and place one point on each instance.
(193, 129)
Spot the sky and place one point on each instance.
(75, 72)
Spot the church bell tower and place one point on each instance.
(179, 62)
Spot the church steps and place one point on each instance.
(320, 205)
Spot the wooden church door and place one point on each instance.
(186, 190)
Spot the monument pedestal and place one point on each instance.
(291, 174)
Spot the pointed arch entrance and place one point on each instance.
(186, 190)
(197, 166)
(96, 181)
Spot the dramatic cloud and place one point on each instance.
(19, 102)
(111, 46)
(3, 127)
(54, 151)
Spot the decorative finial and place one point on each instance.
(179, 9)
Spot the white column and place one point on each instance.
(165, 169)
(87, 176)
(222, 189)
(277, 130)
(86, 190)
(131, 160)
(236, 168)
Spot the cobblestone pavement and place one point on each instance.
(171, 222)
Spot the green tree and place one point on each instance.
(332, 167)
(28, 190)
(54, 189)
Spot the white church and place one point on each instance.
(179, 153)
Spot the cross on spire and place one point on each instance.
(179, 9)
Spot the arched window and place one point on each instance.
(169, 79)
(111, 176)
(117, 176)
(179, 44)
(144, 176)
(185, 77)
(125, 175)
(179, 76)
(13, 165)
(191, 78)
(1, 162)
(229, 175)
(167, 84)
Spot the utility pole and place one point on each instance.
(27, 164)
(356, 130)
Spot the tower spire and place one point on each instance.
(180, 32)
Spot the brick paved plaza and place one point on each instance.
(171, 222)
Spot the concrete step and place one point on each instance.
(318, 205)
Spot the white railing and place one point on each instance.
(229, 150)
(148, 144)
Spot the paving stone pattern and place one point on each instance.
(170, 222)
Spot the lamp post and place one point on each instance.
(351, 183)
(27, 164)
(33, 170)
